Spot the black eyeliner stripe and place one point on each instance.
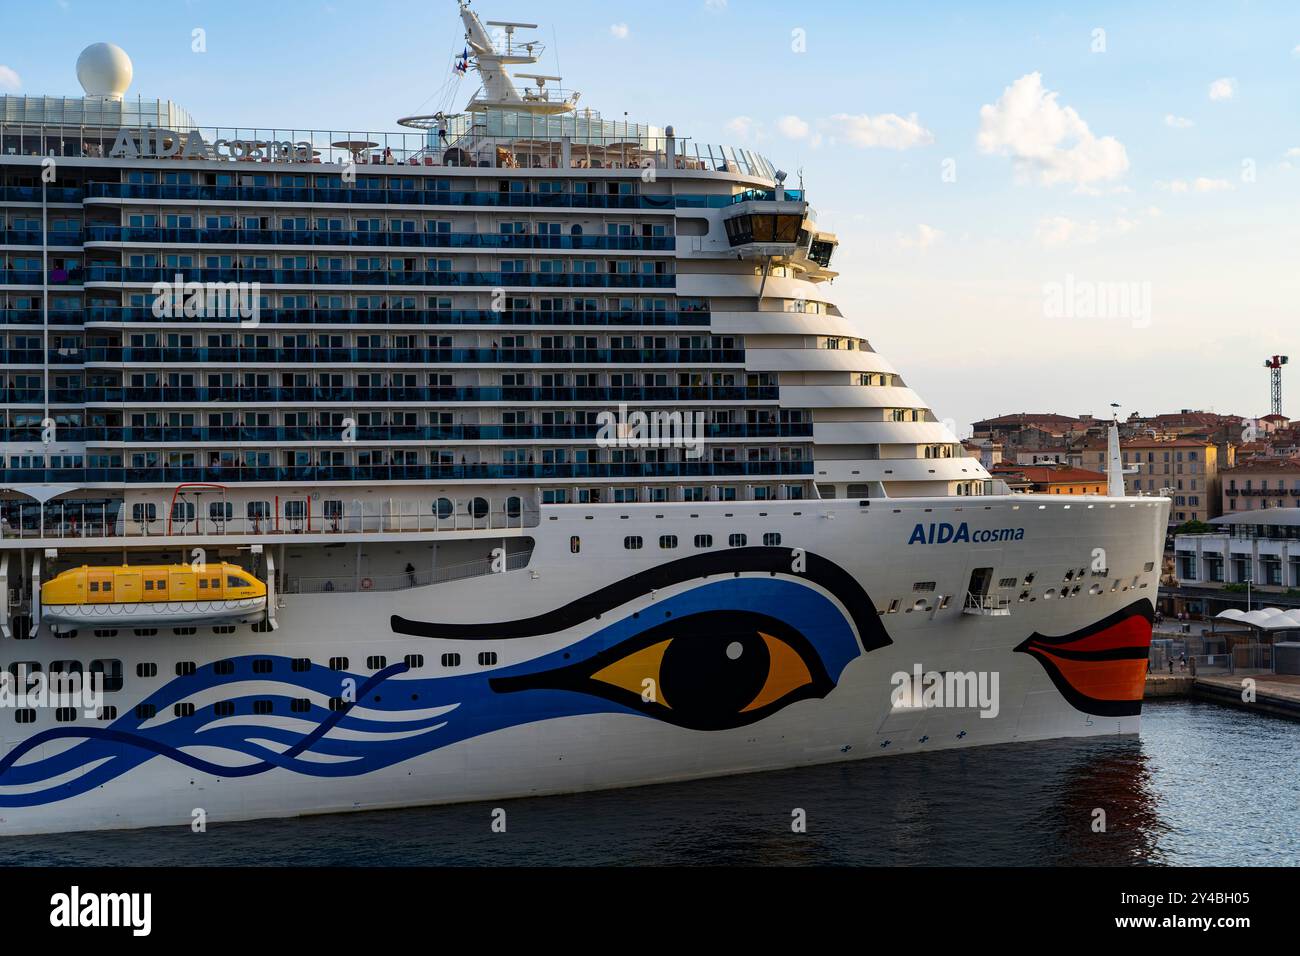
(818, 570)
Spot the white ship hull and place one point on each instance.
(538, 722)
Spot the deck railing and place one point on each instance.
(411, 579)
(474, 146)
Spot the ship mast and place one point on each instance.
(491, 60)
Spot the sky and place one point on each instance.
(1041, 206)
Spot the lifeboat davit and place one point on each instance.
(159, 594)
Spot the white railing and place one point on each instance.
(987, 604)
(411, 579)
(60, 520)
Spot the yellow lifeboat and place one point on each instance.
(156, 594)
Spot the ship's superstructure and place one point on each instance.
(503, 364)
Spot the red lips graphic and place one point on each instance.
(1102, 668)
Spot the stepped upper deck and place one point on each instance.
(497, 139)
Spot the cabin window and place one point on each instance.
(704, 541)
(338, 663)
(262, 665)
(145, 711)
(223, 667)
(737, 540)
(414, 660)
(487, 658)
(183, 710)
(65, 715)
(146, 670)
(110, 672)
(575, 544)
(300, 664)
(632, 542)
(668, 541)
(300, 705)
(451, 660)
(103, 632)
(263, 707)
(376, 662)
(203, 584)
(25, 715)
(145, 631)
(107, 712)
(234, 582)
(185, 668)
(772, 539)
(224, 708)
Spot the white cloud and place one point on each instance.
(620, 31)
(1201, 184)
(1222, 89)
(925, 237)
(1055, 231)
(1061, 231)
(9, 79)
(715, 6)
(1046, 138)
(1178, 122)
(1293, 152)
(793, 127)
(887, 130)
(743, 126)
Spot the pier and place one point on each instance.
(1275, 694)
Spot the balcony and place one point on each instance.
(987, 605)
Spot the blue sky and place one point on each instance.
(1153, 156)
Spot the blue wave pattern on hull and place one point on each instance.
(472, 705)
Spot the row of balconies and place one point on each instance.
(114, 314)
(418, 278)
(416, 191)
(172, 395)
(236, 355)
(134, 434)
(351, 238)
(406, 473)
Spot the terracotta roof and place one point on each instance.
(1046, 475)
(1257, 465)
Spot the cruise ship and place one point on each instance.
(517, 451)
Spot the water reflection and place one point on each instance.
(1173, 796)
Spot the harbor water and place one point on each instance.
(1202, 785)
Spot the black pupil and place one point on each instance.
(702, 682)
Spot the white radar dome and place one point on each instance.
(104, 69)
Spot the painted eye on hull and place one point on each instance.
(708, 671)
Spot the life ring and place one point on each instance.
(367, 584)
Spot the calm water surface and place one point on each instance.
(1202, 785)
